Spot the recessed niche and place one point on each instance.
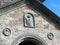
(29, 20)
(30, 41)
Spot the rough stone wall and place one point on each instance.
(14, 21)
(4, 3)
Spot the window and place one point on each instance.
(29, 20)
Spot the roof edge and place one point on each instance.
(47, 13)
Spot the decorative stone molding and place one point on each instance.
(29, 37)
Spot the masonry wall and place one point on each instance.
(14, 20)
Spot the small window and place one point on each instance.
(29, 20)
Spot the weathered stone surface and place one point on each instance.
(14, 21)
(4, 3)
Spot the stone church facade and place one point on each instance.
(21, 24)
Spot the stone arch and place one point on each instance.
(29, 38)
